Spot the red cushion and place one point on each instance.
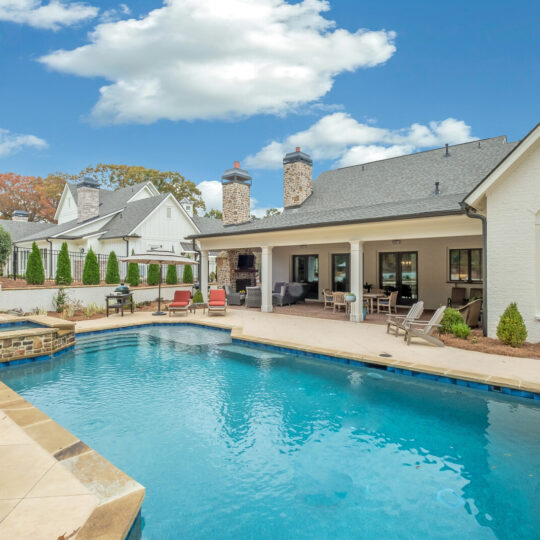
(178, 304)
(216, 303)
(182, 296)
(217, 295)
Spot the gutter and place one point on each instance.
(472, 213)
(193, 242)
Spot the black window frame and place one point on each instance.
(469, 266)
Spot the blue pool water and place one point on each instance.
(19, 325)
(237, 442)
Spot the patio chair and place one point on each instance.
(339, 301)
(425, 329)
(181, 302)
(457, 297)
(388, 303)
(217, 301)
(399, 321)
(277, 286)
(283, 297)
(233, 298)
(476, 292)
(253, 297)
(328, 298)
(471, 312)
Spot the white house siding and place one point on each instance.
(68, 208)
(513, 206)
(433, 263)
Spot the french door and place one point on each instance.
(341, 272)
(398, 271)
(306, 270)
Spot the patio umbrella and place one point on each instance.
(160, 257)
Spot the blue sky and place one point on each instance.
(193, 87)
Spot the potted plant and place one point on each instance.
(350, 297)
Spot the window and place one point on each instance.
(169, 212)
(466, 265)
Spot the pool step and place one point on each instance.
(95, 344)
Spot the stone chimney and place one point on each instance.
(236, 184)
(87, 199)
(20, 215)
(296, 178)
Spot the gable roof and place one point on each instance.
(20, 229)
(394, 188)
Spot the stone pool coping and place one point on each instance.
(76, 488)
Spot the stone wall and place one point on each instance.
(236, 203)
(87, 203)
(297, 183)
(227, 268)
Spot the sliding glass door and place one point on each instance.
(341, 272)
(399, 272)
(306, 270)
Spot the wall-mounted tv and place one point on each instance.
(246, 261)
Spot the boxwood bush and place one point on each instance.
(450, 318)
(461, 330)
(511, 329)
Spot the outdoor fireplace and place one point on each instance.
(241, 284)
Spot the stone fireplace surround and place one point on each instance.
(228, 272)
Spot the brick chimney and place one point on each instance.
(297, 187)
(87, 199)
(236, 184)
(19, 215)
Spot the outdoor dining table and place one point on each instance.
(371, 297)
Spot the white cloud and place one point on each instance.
(114, 14)
(202, 59)
(49, 16)
(340, 137)
(10, 143)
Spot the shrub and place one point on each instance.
(461, 330)
(172, 276)
(188, 274)
(5, 246)
(91, 309)
(133, 276)
(511, 329)
(91, 269)
(153, 274)
(63, 267)
(60, 299)
(35, 275)
(198, 297)
(450, 318)
(113, 274)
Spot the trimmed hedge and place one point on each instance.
(35, 275)
(63, 267)
(511, 329)
(188, 274)
(91, 269)
(153, 274)
(172, 276)
(113, 273)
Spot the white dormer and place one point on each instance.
(67, 207)
(187, 205)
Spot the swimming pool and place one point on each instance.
(19, 325)
(232, 441)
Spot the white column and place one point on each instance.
(357, 288)
(204, 274)
(266, 278)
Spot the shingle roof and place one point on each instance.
(388, 189)
(207, 225)
(20, 229)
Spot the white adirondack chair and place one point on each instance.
(425, 329)
(399, 321)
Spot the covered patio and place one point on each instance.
(421, 258)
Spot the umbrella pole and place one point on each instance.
(159, 312)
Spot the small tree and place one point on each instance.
(511, 329)
(91, 269)
(63, 267)
(35, 275)
(5, 246)
(153, 274)
(188, 274)
(113, 274)
(172, 276)
(133, 276)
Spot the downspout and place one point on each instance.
(194, 244)
(50, 257)
(471, 212)
(126, 240)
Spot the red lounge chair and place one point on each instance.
(181, 302)
(217, 302)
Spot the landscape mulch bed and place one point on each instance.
(80, 316)
(490, 345)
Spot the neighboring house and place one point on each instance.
(408, 223)
(137, 218)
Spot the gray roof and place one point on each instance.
(392, 188)
(207, 225)
(20, 229)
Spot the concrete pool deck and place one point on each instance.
(52, 484)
